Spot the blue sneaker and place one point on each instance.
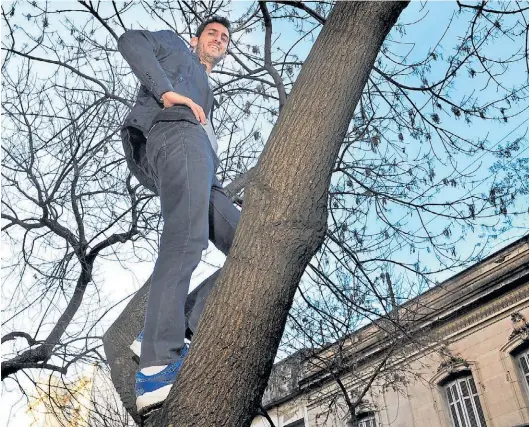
(136, 345)
(152, 390)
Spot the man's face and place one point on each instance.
(212, 44)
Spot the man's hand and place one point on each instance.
(172, 98)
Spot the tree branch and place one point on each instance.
(239, 183)
(74, 70)
(262, 411)
(96, 15)
(11, 367)
(12, 335)
(268, 56)
(43, 352)
(305, 8)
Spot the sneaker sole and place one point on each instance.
(149, 401)
(136, 348)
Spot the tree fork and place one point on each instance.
(282, 225)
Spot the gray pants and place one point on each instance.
(194, 208)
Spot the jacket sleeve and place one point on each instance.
(140, 49)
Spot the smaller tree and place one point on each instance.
(87, 401)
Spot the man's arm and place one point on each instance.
(140, 49)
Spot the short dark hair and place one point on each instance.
(218, 19)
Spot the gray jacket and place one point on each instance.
(162, 62)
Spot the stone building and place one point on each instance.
(461, 360)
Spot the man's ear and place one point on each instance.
(193, 42)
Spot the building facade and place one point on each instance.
(463, 360)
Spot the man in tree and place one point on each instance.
(172, 142)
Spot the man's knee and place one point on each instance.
(223, 221)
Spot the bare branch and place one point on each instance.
(12, 335)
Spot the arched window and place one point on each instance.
(463, 402)
(457, 385)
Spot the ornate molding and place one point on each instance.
(450, 367)
(512, 298)
(515, 342)
(519, 325)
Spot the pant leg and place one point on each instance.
(183, 169)
(223, 220)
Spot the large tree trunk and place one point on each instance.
(282, 225)
(281, 228)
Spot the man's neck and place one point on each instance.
(209, 67)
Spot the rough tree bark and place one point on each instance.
(281, 228)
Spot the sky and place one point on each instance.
(123, 279)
